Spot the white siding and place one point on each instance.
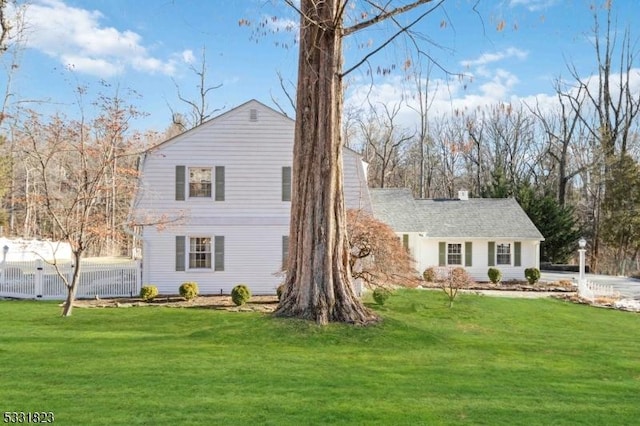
(356, 192)
(426, 251)
(252, 218)
(252, 256)
(253, 154)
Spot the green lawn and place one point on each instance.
(486, 361)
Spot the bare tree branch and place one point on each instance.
(402, 30)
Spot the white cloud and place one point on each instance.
(446, 97)
(77, 38)
(488, 58)
(453, 96)
(188, 56)
(533, 5)
(99, 67)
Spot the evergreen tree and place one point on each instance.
(557, 224)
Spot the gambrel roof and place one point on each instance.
(493, 218)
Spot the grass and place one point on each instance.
(487, 361)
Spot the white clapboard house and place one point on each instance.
(217, 201)
(473, 233)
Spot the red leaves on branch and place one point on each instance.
(377, 254)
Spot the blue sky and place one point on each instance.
(148, 45)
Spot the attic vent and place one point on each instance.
(253, 114)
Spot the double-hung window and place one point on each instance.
(199, 253)
(503, 254)
(200, 182)
(454, 254)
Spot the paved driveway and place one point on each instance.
(628, 287)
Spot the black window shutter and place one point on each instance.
(286, 183)
(180, 183)
(218, 263)
(219, 183)
(180, 252)
(442, 254)
(468, 253)
(517, 253)
(491, 261)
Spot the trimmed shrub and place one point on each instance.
(380, 295)
(189, 290)
(148, 292)
(240, 294)
(279, 291)
(430, 275)
(495, 275)
(532, 275)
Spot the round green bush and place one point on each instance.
(189, 290)
(495, 275)
(240, 294)
(148, 292)
(380, 295)
(532, 275)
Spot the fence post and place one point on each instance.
(5, 250)
(38, 278)
(138, 277)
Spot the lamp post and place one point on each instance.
(582, 243)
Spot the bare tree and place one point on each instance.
(610, 98)
(319, 283)
(563, 130)
(424, 141)
(79, 168)
(199, 108)
(383, 141)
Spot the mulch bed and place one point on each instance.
(558, 286)
(256, 304)
(269, 303)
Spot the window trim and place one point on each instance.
(188, 182)
(461, 254)
(498, 244)
(188, 253)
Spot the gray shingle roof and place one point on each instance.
(473, 218)
(396, 207)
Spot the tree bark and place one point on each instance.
(319, 286)
(72, 287)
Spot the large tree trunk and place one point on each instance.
(319, 286)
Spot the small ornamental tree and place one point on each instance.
(454, 279)
(377, 255)
(82, 173)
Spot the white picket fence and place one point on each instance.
(590, 290)
(39, 280)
